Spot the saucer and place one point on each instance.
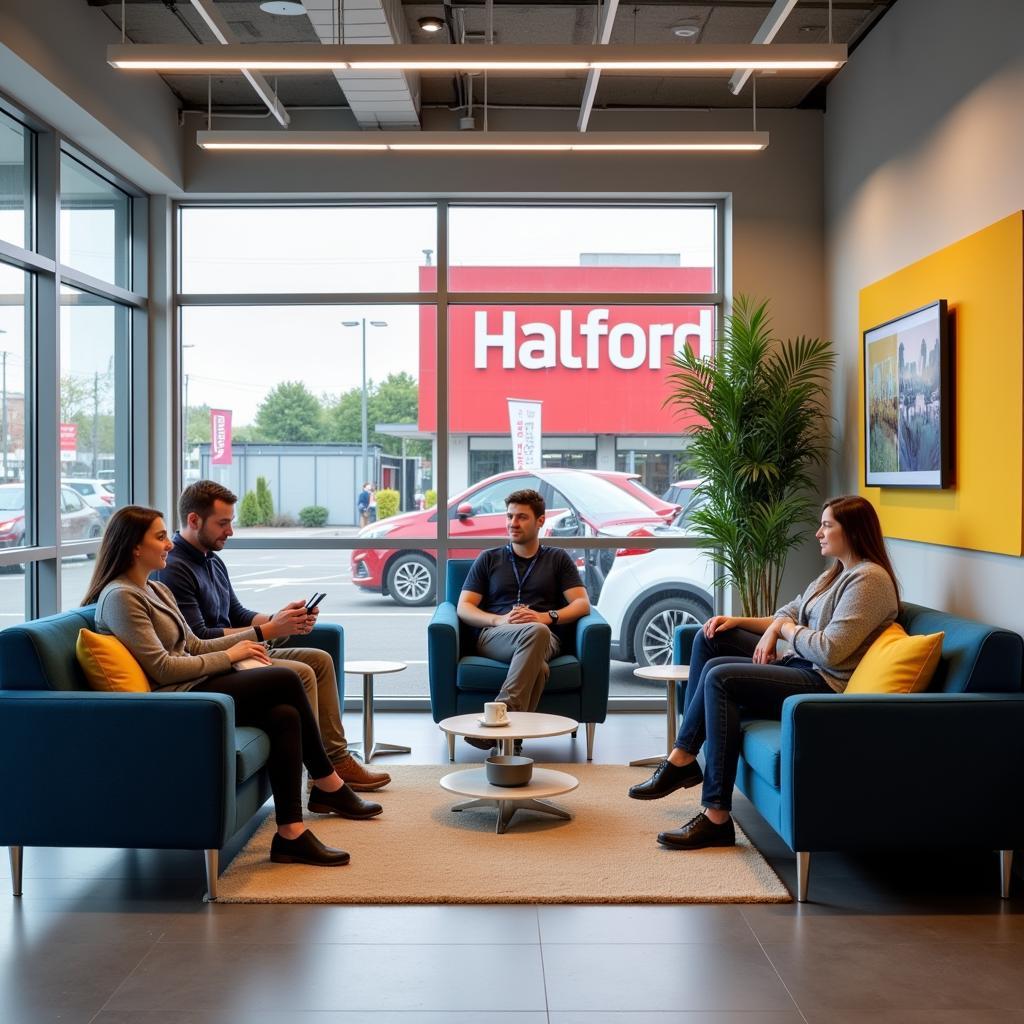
(494, 725)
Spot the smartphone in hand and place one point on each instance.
(314, 601)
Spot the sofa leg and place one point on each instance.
(803, 867)
(591, 728)
(451, 746)
(212, 864)
(1005, 865)
(16, 853)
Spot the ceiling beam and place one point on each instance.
(604, 34)
(780, 11)
(221, 30)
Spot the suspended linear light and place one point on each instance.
(308, 57)
(476, 142)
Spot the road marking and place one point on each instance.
(375, 615)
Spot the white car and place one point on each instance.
(647, 592)
(97, 494)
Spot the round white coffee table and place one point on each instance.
(369, 669)
(509, 799)
(522, 725)
(669, 675)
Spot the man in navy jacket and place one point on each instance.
(199, 580)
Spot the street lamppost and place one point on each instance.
(357, 323)
(3, 414)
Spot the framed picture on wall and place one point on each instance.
(908, 400)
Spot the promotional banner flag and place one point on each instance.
(68, 437)
(524, 420)
(220, 437)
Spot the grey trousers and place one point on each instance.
(320, 684)
(528, 647)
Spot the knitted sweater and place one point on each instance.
(835, 629)
(148, 623)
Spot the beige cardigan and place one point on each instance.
(147, 621)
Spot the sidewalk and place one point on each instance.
(294, 532)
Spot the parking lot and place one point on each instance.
(375, 627)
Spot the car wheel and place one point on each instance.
(652, 638)
(412, 580)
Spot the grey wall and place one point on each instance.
(924, 144)
(53, 61)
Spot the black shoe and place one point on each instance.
(667, 778)
(307, 849)
(518, 747)
(698, 833)
(344, 801)
(479, 742)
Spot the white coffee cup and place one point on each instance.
(495, 712)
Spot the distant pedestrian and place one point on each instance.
(363, 504)
(373, 503)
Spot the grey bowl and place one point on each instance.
(509, 770)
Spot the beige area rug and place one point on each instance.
(419, 851)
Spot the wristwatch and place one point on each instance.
(553, 615)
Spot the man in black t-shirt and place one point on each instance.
(520, 597)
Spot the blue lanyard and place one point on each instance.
(520, 583)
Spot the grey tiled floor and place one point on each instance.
(122, 937)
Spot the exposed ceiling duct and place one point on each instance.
(379, 99)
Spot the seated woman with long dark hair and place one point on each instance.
(143, 615)
(740, 671)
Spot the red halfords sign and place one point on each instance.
(597, 369)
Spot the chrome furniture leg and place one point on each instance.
(803, 867)
(16, 854)
(1005, 867)
(451, 746)
(212, 864)
(368, 749)
(591, 728)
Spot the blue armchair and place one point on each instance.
(874, 771)
(147, 770)
(461, 681)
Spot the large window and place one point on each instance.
(15, 181)
(95, 223)
(565, 316)
(67, 315)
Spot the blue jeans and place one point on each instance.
(726, 688)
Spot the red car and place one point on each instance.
(631, 482)
(580, 503)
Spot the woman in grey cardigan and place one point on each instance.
(743, 666)
(143, 615)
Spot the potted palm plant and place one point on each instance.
(762, 432)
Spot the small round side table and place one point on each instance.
(368, 669)
(669, 675)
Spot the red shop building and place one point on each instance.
(599, 370)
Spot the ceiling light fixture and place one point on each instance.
(283, 7)
(470, 142)
(431, 24)
(303, 57)
(685, 31)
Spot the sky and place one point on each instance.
(233, 355)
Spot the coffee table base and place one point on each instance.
(507, 808)
(378, 748)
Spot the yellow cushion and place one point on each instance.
(108, 664)
(897, 663)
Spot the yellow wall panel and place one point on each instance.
(982, 279)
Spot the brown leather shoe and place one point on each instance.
(358, 777)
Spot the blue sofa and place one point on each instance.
(125, 770)
(461, 681)
(866, 771)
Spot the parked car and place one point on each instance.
(77, 520)
(633, 483)
(681, 492)
(97, 494)
(647, 592)
(580, 503)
